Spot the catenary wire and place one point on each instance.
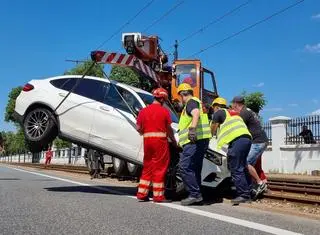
(217, 20)
(125, 24)
(247, 28)
(163, 16)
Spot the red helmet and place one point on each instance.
(160, 93)
(188, 80)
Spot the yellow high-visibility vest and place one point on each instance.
(232, 128)
(203, 127)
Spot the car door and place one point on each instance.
(77, 111)
(114, 126)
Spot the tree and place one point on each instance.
(129, 76)
(13, 142)
(14, 93)
(255, 101)
(80, 69)
(60, 144)
(125, 75)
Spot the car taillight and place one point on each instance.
(28, 87)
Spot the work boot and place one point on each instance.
(239, 200)
(261, 187)
(258, 190)
(191, 201)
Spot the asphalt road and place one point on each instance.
(40, 202)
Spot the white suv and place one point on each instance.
(95, 116)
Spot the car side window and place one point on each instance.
(92, 89)
(59, 83)
(114, 99)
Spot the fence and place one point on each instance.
(295, 133)
(267, 128)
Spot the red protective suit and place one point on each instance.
(153, 122)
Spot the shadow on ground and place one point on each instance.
(211, 196)
(10, 179)
(99, 189)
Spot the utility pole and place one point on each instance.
(175, 54)
(76, 61)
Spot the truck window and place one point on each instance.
(186, 73)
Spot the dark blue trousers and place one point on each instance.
(237, 156)
(191, 160)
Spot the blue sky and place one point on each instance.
(281, 57)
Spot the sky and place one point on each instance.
(280, 57)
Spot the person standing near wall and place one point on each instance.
(49, 155)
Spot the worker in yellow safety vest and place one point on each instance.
(194, 135)
(232, 131)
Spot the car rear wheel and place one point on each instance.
(134, 170)
(40, 129)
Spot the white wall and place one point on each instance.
(293, 159)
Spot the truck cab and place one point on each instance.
(199, 78)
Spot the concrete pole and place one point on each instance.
(279, 134)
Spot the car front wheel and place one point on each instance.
(119, 167)
(40, 129)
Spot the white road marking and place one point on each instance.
(51, 177)
(224, 218)
(69, 181)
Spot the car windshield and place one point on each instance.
(148, 99)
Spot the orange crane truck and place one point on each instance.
(144, 54)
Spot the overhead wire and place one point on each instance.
(216, 20)
(247, 28)
(164, 15)
(125, 24)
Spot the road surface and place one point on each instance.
(42, 202)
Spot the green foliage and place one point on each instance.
(129, 76)
(125, 75)
(14, 93)
(60, 144)
(80, 69)
(14, 142)
(255, 101)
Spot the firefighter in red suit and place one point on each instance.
(154, 124)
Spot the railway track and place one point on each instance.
(295, 190)
(284, 189)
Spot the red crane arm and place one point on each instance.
(125, 60)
